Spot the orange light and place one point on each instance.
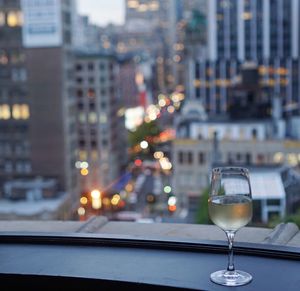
(172, 208)
(84, 172)
(83, 200)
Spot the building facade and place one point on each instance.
(263, 33)
(15, 110)
(101, 150)
(37, 96)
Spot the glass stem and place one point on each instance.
(230, 237)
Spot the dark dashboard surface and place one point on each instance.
(35, 262)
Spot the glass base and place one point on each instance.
(231, 278)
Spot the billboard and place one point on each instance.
(42, 25)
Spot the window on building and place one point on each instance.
(180, 157)
(93, 143)
(260, 159)
(17, 57)
(14, 18)
(102, 66)
(90, 66)
(5, 111)
(248, 158)
(92, 117)
(103, 118)
(2, 18)
(82, 117)
(3, 57)
(79, 93)
(78, 67)
(92, 106)
(91, 93)
(16, 111)
(254, 133)
(8, 166)
(190, 157)
(25, 112)
(201, 158)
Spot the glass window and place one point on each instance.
(90, 66)
(3, 57)
(14, 18)
(201, 159)
(190, 157)
(103, 118)
(25, 112)
(2, 18)
(92, 117)
(16, 111)
(5, 111)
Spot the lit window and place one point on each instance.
(133, 4)
(2, 18)
(154, 5)
(94, 155)
(103, 118)
(247, 15)
(92, 117)
(25, 114)
(14, 18)
(16, 111)
(82, 118)
(82, 155)
(142, 8)
(4, 111)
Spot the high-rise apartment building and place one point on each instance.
(154, 22)
(101, 140)
(37, 105)
(15, 110)
(264, 33)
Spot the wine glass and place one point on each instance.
(230, 208)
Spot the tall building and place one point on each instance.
(264, 33)
(37, 111)
(15, 112)
(154, 22)
(101, 150)
(86, 35)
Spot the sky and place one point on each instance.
(102, 12)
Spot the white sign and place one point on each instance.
(42, 23)
(134, 117)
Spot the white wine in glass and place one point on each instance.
(230, 208)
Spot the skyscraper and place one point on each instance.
(264, 33)
(15, 110)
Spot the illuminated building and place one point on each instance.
(100, 143)
(262, 33)
(15, 111)
(37, 105)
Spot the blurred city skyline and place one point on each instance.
(111, 12)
